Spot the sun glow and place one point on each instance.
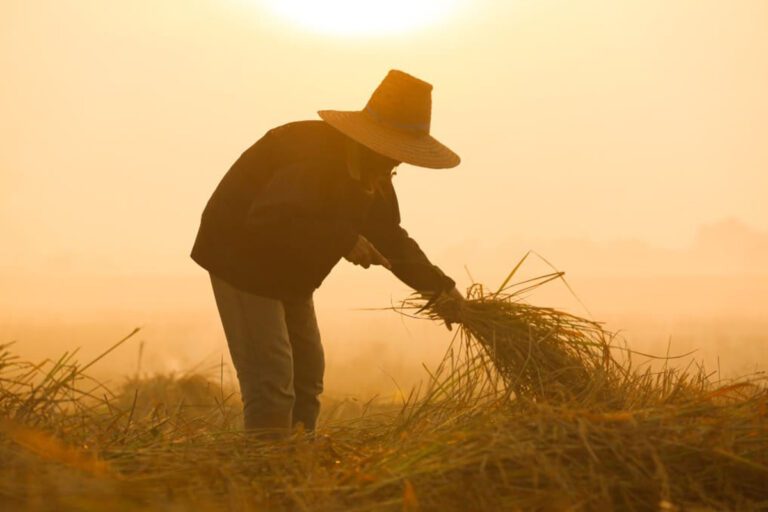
(362, 17)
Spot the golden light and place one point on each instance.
(362, 17)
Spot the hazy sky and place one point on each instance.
(595, 118)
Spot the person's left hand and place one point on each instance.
(449, 306)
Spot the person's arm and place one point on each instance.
(408, 261)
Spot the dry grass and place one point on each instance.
(531, 409)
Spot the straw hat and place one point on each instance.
(395, 123)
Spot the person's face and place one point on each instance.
(376, 164)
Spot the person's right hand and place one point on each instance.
(363, 253)
(448, 305)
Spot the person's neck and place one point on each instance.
(354, 160)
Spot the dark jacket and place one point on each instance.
(287, 211)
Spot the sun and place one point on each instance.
(362, 17)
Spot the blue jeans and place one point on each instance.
(276, 349)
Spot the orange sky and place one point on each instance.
(599, 119)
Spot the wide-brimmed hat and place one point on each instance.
(395, 123)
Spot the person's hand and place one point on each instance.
(448, 306)
(363, 253)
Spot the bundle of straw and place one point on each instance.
(539, 352)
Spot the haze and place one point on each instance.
(624, 141)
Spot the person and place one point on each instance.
(298, 200)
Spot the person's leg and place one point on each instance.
(308, 360)
(257, 336)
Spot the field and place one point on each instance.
(531, 409)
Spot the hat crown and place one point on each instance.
(402, 102)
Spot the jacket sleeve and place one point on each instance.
(291, 215)
(409, 263)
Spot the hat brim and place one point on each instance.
(400, 145)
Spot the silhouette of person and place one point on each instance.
(302, 197)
